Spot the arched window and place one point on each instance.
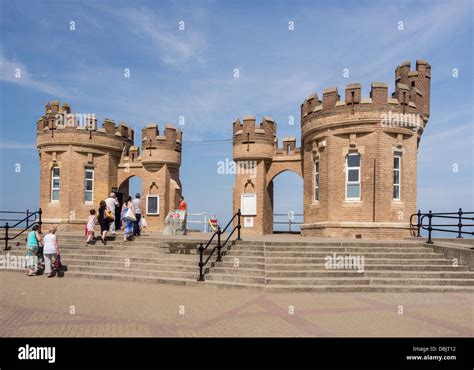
(353, 176)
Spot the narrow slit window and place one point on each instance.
(55, 183)
(396, 176)
(89, 186)
(353, 176)
(316, 180)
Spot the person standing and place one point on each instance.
(183, 207)
(112, 203)
(128, 229)
(104, 222)
(138, 214)
(32, 246)
(50, 250)
(182, 204)
(90, 226)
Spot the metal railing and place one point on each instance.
(30, 220)
(219, 245)
(291, 221)
(425, 221)
(204, 220)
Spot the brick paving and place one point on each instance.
(73, 307)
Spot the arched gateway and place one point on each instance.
(81, 164)
(358, 159)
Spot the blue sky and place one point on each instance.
(190, 73)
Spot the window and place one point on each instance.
(396, 176)
(353, 176)
(89, 186)
(55, 177)
(316, 180)
(152, 204)
(248, 204)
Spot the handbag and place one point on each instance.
(109, 216)
(57, 265)
(128, 215)
(143, 222)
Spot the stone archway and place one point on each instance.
(277, 210)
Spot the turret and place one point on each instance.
(418, 83)
(165, 148)
(252, 141)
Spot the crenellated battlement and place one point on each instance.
(171, 137)
(288, 147)
(248, 129)
(411, 95)
(59, 118)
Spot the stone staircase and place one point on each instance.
(272, 266)
(300, 267)
(147, 258)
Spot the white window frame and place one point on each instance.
(157, 204)
(399, 169)
(358, 182)
(316, 181)
(243, 211)
(52, 184)
(85, 188)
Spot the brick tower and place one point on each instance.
(158, 167)
(258, 160)
(358, 159)
(80, 164)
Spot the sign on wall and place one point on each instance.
(248, 221)
(248, 204)
(152, 204)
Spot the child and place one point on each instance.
(91, 220)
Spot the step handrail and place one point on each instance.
(29, 224)
(219, 246)
(459, 216)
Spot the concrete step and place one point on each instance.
(156, 266)
(188, 260)
(367, 261)
(134, 272)
(235, 278)
(371, 267)
(239, 270)
(421, 274)
(134, 278)
(370, 274)
(330, 250)
(366, 254)
(366, 289)
(348, 243)
(423, 282)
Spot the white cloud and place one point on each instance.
(15, 145)
(173, 46)
(16, 72)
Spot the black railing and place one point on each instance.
(219, 246)
(29, 221)
(426, 221)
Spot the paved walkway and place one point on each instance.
(38, 306)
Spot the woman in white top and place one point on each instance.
(50, 250)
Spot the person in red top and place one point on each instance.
(182, 204)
